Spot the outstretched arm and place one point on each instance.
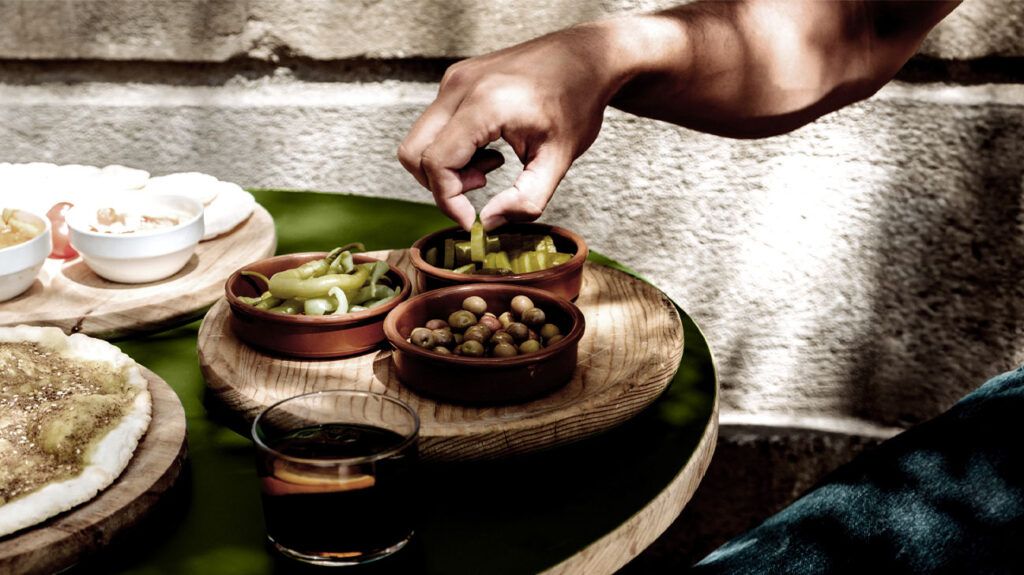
(737, 69)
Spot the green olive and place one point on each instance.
(549, 330)
(457, 350)
(442, 350)
(506, 318)
(520, 304)
(458, 338)
(474, 304)
(422, 337)
(534, 317)
(473, 348)
(461, 319)
(504, 349)
(489, 314)
(518, 331)
(529, 346)
(443, 337)
(502, 336)
(491, 322)
(554, 339)
(479, 333)
(436, 324)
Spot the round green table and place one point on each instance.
(588, 507)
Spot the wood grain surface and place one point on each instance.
(618, 547)
(64, 540)
(70, 296)
(627, 357)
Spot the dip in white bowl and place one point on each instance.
(20, 262)
(136, 238)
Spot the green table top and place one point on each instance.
(520, 515)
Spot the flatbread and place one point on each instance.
(37, 186)
(122, 418)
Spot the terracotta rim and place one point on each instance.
(574, 263)
(568, 340)
(342, 320)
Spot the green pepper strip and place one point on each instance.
(290, 287)
(257, 275)
(269, 302)
(342, 301)
(290, 307)
(380, 302)
(343, 263)
(317, 306)
(370, 292)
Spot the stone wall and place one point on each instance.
(859, 274)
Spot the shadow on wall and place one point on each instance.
(948, 288)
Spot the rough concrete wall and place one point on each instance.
(215, 30)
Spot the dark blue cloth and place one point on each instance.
(946, 496)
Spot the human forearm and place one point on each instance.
(762, 67)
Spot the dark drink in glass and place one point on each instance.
(336, 471)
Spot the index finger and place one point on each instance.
(452, 149)
(422, 134)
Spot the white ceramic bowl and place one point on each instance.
(20, 263)
(137, 257)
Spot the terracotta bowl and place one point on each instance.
(483, 380)
(563, 280)
(306, 336)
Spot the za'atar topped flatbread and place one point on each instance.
(72, 412)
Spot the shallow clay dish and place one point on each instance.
(483, 380)
(300, 335)
(562, 280)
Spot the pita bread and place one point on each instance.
(36, 187)
(94, 373)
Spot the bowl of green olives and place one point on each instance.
(291, 305)
(485, 343)
(526, 254)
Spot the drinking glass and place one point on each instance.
(336, 470)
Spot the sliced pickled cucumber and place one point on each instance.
(431, 256)
(477, 243)
(462, 255)
(449, 253)
(466, 269)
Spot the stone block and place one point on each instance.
(216, 30)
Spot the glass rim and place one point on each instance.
(409, 438)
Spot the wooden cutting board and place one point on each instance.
(67, 294)
(627, 357)
(64, 540)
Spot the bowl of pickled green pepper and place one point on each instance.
(314, 305)
(528, 254)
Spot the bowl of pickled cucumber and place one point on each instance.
(315, 305)
(529, 254)
(485, 343)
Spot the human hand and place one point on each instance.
(546, 98)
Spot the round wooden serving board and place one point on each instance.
(65, 539)
(627, 357)
(67, 294)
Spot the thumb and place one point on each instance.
(526, 199)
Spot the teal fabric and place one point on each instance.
(946, 496)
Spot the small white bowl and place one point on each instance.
(20, 263)
(137, 257)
